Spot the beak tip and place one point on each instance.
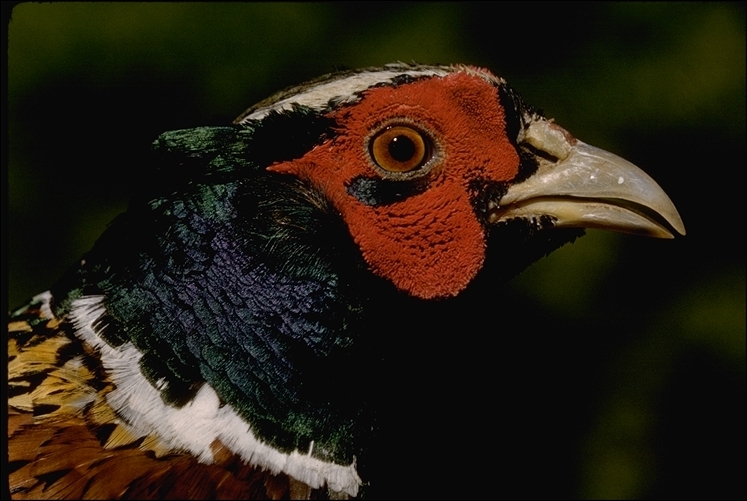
(592, 188)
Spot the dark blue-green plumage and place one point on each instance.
(228, 275)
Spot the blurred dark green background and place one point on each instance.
(658, 326)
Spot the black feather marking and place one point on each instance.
(52, 477)
(482, 192)
(407, 79)
(16, 465)
(24, 338)
(26, 383)
(335, 101)
(41, 409)
(104, 431)
(378, 192)
(102, 326)
(518, 113)
(172, 376)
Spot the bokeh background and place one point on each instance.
(652, 333)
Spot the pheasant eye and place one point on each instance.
(400, 149)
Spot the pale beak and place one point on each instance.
(580, 186)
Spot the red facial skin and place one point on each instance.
(430, 244)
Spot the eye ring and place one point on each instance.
(400, 149)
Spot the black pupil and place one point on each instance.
(401, 148)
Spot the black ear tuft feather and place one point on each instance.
(288, 134)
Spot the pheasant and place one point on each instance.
(226, 336)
